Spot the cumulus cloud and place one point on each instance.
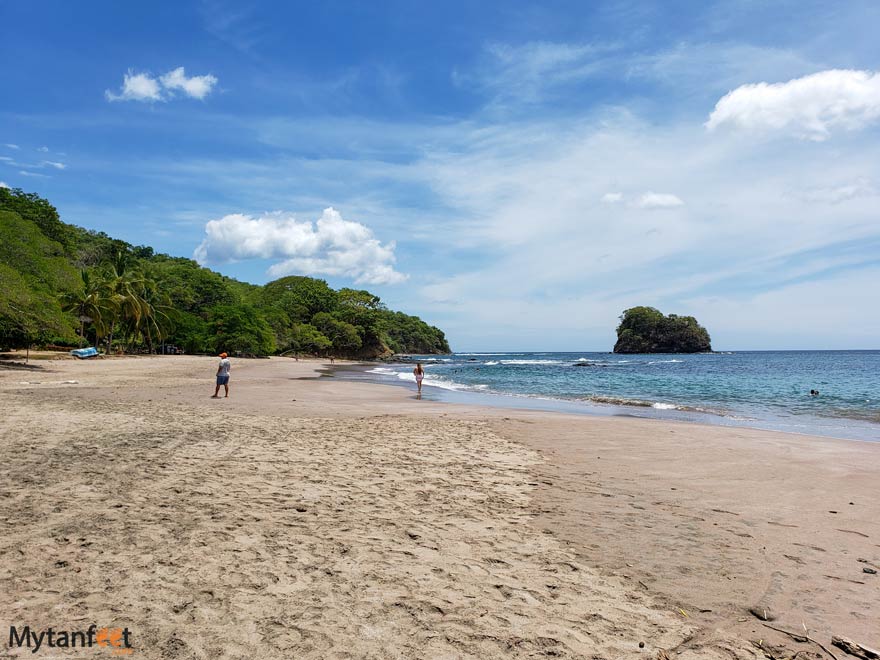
(3, 184)
(611, 198)
(144, 87)
(331, 246)
(44, 149)
(652, 200)
(197, 87)
(137, 87)
(810, 107)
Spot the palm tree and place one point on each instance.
(89, 304)
(122, 289)
(157, 318)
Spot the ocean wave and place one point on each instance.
(469, 354)
(385, 371)
(664, 361)
(443, 383)
(531, 362)
(490, 363)
(656, 405)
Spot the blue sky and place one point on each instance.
(516, 173)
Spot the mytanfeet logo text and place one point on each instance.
(115, 640)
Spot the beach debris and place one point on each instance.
(852, 531)
(641, 645)
(869, 570)
(801, 638)
(854, 648)
(762, 612)
(662, 655)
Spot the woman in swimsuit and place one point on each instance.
(419, 373)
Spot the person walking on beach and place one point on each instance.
(222, 376)
(419, 373)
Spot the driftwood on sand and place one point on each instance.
(801, 638)
(854, 648)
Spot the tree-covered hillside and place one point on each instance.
(64, 285)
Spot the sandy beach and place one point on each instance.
(310, 517)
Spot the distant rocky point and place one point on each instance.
(647, 330)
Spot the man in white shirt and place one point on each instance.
(222, 376)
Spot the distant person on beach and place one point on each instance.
(419, 373)
(222, 376)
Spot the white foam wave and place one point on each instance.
(531, 362)
(386, 371)
(664, 361)
(442, 382)
(485, 353)
(664, 406)
(490, 363)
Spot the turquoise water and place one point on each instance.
(766, 389)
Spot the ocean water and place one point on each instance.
(763, 389)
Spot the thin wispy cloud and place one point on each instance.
(331, 246)
(11, 146)
(837, 194)
(526, 73)
(810, 107)
(652, 200)
(232, 23)
(146, 88)
(33, 174)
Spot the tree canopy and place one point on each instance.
(647, 330)
(61, 284)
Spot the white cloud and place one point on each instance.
(197, 87)
(652, 200)
(44, 149)
(810, 107)
(3, 184)
(331, 246)
(11, 146)
(55, 164)
(137, 87)
(33, 174)
(841, 193)
(611, 198)
(144, 87)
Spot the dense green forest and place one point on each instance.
(64, 285)
(646, 330)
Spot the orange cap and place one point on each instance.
(222, 354)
